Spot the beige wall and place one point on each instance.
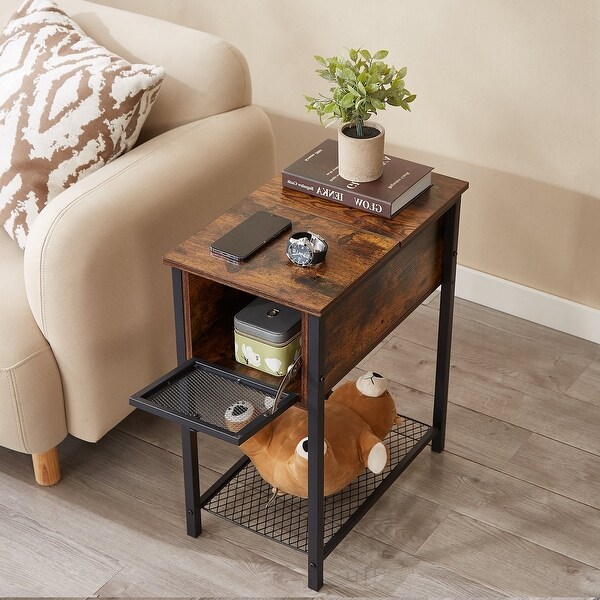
(508, 99)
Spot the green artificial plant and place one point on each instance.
(363, 84)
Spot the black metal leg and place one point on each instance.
(189, 438)
(316, 428)
(178, 307)
(442, 373)
(191, 481)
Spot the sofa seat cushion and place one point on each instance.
(67, 106)
(30, 385)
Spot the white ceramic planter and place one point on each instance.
(361, 159)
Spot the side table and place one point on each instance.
(376, 273)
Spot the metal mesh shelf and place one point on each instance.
(199, 395)
(243, 499)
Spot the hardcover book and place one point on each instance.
(316, 174)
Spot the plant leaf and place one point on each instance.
(349, 74)
(348, 100)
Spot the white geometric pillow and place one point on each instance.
(67, 107)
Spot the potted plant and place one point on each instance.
(362, 84)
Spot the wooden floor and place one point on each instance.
(511, 508)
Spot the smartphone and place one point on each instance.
(249, 236)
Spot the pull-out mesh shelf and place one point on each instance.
(241, 495)
(212, 400)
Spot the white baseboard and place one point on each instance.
(527, 303)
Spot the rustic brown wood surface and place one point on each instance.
(269, 274)
(357, 241)
(374, 307)
(209, 311)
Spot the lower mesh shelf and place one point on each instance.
(244, 499)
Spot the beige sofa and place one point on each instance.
(86, 313)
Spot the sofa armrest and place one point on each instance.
(93, 263)
(205, 75)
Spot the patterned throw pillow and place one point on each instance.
(67, 107)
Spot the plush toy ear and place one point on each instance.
(371, 384)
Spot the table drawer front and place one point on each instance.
(380, 301)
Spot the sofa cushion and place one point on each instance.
(67, 107)
(32, 413)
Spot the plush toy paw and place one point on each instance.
(377, 459)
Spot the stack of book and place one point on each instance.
(316, 174)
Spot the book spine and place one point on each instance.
(335, 194)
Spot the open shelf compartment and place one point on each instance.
(241, 495)
(198, 394)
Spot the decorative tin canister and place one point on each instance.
(267, 336)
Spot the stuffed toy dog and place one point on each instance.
(358, 415)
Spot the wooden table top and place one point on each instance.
(357, 243)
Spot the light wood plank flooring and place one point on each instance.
(510, 509)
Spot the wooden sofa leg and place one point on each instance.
(46, 467)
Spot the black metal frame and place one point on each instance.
(442, 371)
(316, 437)
(189, 437)
(317, 551)
(191, 478)
(179, 315)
